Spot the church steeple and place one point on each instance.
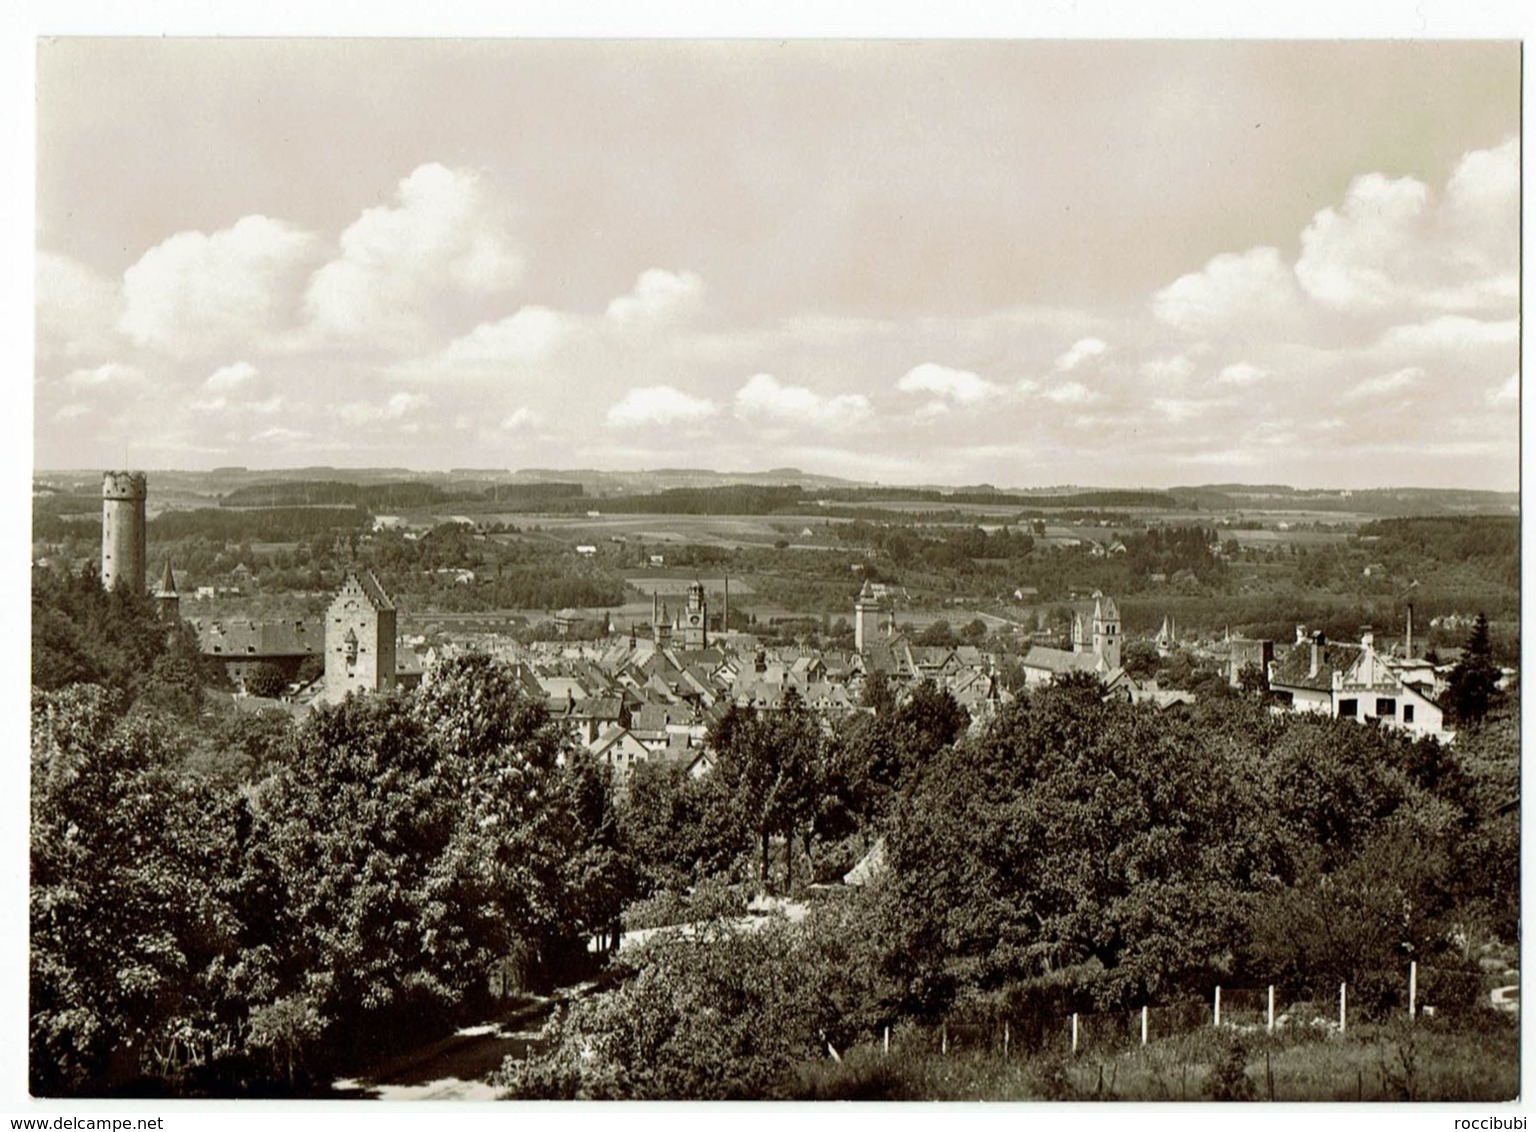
(167, 600)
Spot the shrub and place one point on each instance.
(1228, 1080)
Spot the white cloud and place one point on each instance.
(529, 335)
(658, 297)
(1179, 409)
(105, 376)
(1081, 351)
(1234, 294)
(765, 396)
(1391, 245)
(1241, 374)
(397, 406)
(77, 309)
(401, 265)
(72, 411)
(1352, 256)
(1173, 368)
(229, 377)
(659, 404)
(280, 435)
(958, 385)
(1385, 384)
(195, 293)
(521, 418)
(1071, 393)
(1507, 392)
(1452, 334)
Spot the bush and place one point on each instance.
(1229, 1079)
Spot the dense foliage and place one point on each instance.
(208, 931)
(1076, 854)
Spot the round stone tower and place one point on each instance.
(122, 530)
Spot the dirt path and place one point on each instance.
(455, 1067)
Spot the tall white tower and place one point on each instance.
(123, 531)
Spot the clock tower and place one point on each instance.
(695, 622)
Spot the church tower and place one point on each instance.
(696, 618)
(1106, 631)
(123, 531)
(167, 600)
(359, 639)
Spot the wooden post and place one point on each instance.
(1005, 1040)
(887, 1041)
(1143, 1025)
(944, 1038)
(1270, 1016)
(1413, 988)
(1217, 1015)
(1074, 1031)
(1343, 1013)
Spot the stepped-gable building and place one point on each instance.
(873, 603)
(359, 638)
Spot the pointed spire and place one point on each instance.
(167, 580)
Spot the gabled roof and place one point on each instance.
(234, 639)
(1294, 669)
(1060, 660)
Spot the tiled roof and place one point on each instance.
(244, 638)
(1294, 669)
(1060, 660)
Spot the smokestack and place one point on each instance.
(1408, 635)
(1317, 653)
(725, 613)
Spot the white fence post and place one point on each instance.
(1005, 1041)
(1216, 1020)
(1270, 1016)
(887, 1041)
(1074, 1031)
(1343, 1016)
(1413, 988)
(1143, 1025)
(944, 1037)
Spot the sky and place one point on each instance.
(1024, 263)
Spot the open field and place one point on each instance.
(727, 531)
(676, 585)
(1425, 1061)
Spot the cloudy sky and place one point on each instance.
(1134, 263)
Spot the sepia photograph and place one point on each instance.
(774, 569)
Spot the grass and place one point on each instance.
(1476, 1059)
